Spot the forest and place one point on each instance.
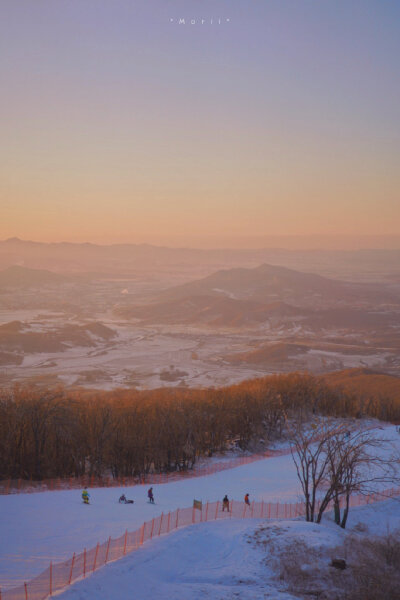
(48, 433)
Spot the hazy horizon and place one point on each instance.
(294, 242)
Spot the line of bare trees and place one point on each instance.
(59, 433)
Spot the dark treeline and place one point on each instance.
(58, 433)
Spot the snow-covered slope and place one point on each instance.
(37, 528)
(221, 560)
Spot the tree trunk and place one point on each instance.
(345, 512)
(336, 510)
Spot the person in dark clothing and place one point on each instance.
(150, 495)
(225, 503)
(124, 500)
(247, 499)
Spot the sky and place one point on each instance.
(134, 121)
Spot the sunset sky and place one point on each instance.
(120, 124)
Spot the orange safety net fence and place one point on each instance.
(79, 566)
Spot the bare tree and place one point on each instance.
(309, 444)
(357, 465)
(333, 461)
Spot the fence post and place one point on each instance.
(51, 579)
(252, 508)
(108, 548)
(193, 515)
(95, 557)
(161, 520)
(125, 540)
(244, 510)
(72, 566)
(262, 509)
(269, 510)
(230, 516)
(205, 518)
(169, 519)
(142, 535)
(216, 510)
(152, 528)
(26, 591)
(177, 513)
(84, 562)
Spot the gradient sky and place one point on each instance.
(120, 125)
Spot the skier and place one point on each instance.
(85, 496)
(247, 499)
(150, 495)
(124, 500)
(225, 503)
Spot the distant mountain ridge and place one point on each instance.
(83, 257)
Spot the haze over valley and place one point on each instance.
(144, 316)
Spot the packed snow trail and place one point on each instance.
(52, 525)
(37, 528)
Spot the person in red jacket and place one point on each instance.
(247, 499)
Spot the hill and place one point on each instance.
(19, 337)
(268, 283)
(23, 277)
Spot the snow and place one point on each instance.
(210, 559)
(53, 525)
(213, 560)
(221, 560)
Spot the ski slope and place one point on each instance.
(37, 528)
(220, 560)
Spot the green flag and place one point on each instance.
(198, 504)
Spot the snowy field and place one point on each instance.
(37, 528)
(200, 354)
